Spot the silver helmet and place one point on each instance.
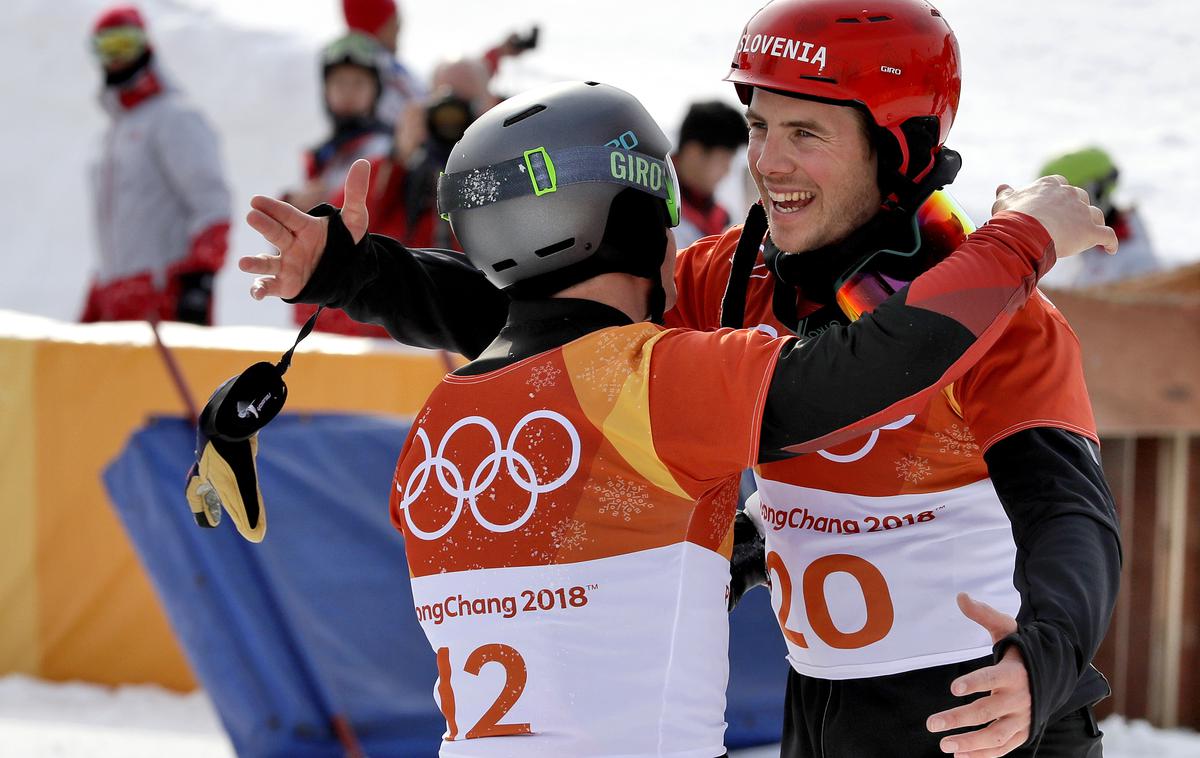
(559, 184)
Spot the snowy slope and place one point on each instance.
(1038, 76)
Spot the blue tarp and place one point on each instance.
(318, 619)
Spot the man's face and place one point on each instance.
(350, 91)
(815, 170)
(704, 167)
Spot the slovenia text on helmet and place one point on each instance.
(897, 60)
(560, 184)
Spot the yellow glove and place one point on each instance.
(225, 477)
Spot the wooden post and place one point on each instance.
(1120, 627)
(1169, 579)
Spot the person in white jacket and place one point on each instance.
(161, 202)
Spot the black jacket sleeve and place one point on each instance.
(424, 298)
(1068, 565)
(852, 379)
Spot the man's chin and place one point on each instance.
(790, 241)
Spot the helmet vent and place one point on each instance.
(503, 265)
(524, 114)
(876, 19)
(848, 21)
(557, 247)
(827, 79)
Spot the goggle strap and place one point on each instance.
(286, 361)
(538, 173)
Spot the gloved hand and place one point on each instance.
(192, 295)
(519, 43)
(748, 563)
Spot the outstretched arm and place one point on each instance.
(885, 365)
(425, 298)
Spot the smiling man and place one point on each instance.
(992, 489)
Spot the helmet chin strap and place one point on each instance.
(816, 272)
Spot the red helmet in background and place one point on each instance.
(118, 16)
(896, 59)
(368, 16)
(119, 42)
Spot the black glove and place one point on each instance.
(194, 305)
(748, 563)
(517, 43)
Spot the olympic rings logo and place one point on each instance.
(869, 445)
(518, 466)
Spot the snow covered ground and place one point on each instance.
(44, 720)
(1037, 76)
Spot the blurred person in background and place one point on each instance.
(161, 200)
(403, 189)
(1093, 169)
(352, 74)
(379, 20)
(709, 140)
(406, 208)
(352, 85)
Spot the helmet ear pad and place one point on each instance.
(635, 237)
(634, 241)
(906, 152)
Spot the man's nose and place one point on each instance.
(774, 158)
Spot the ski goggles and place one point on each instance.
(353, 48)
(939, 226)
(120, 44)
(539, 173)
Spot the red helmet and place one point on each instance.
(118, 16)
(897, 59)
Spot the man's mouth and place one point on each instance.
(790, 202)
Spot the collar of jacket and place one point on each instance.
(535, 326)
(146, 85)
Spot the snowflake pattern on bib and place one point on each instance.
(569, 535)
(958, 440)
(543, 377)
(912, 468)
(622, 499)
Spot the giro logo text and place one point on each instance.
(465, 488)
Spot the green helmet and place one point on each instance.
(559, 184)
(1090, 168)
(353, 49)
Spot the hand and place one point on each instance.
(299, 237)
(1073, 224)
(516, 43)
(748, 559)
(1008, 708)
